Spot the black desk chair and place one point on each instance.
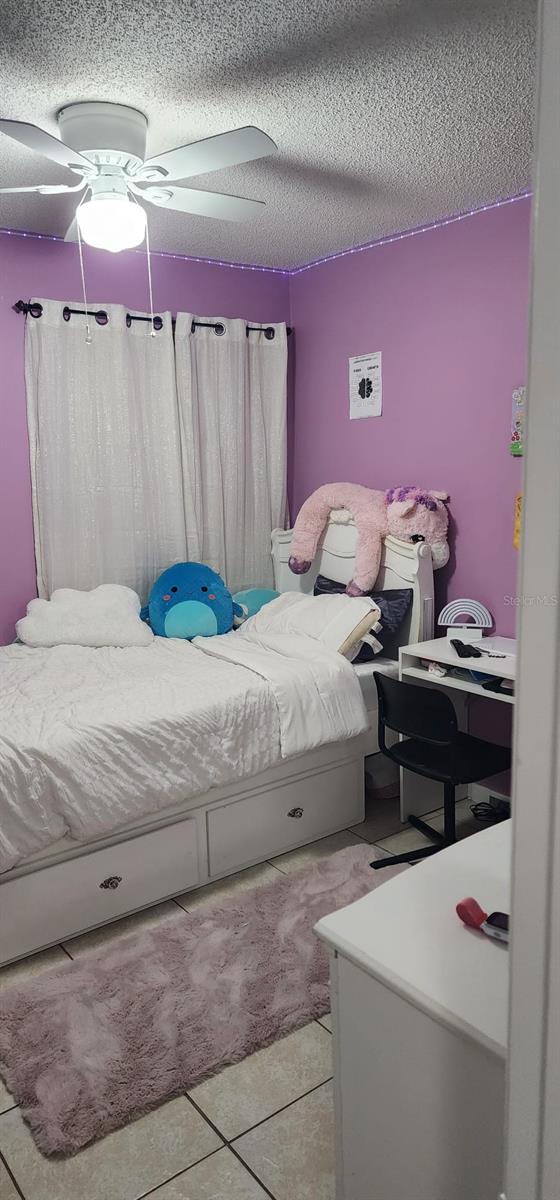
(434, 747)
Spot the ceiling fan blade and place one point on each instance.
(202, 204)
(71, 234)
(44, 143)
(47, 189)
(210, 154)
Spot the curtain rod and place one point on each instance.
(102, 318)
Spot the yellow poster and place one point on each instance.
(517, 520)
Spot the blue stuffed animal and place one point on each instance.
(250, 601)
(190, 600)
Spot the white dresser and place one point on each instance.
(420, 1020)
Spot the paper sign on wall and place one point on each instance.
(517, 422)
(365, 386)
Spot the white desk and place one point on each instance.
(417, 793)
(420, 1028)
(441, 651)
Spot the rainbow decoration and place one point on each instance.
(455, 612)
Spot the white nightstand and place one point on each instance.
(420, 1020)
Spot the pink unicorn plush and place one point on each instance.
(408, 513)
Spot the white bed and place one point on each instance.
(113, 851)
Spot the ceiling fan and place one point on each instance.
(105, 144)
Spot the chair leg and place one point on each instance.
(449, 828)
(393, 860)
(423, 827)
(448, 838)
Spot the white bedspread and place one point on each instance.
(92, 739)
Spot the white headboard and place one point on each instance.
(403, 564)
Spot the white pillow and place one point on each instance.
(338, 621)
(109, 615)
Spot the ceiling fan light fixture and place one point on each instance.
(105, 144)
(112, 222)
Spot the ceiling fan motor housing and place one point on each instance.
(107, 134)
(110, 184)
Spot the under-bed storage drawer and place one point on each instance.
(56, 902)
(266, 823)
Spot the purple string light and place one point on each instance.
(288, 271)
(213, 262)
(406, 233)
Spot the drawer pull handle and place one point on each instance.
(296, 812)
(112, 882)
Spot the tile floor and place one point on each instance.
(263, 1128)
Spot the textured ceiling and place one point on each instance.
(387, 113)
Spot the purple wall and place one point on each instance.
(33, 267)
(449, 310)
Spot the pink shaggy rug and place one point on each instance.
(87, 1047)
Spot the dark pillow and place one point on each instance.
(393, 604)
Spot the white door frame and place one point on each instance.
(532, 1169)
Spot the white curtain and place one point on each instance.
(105, 450)
(232, 407)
